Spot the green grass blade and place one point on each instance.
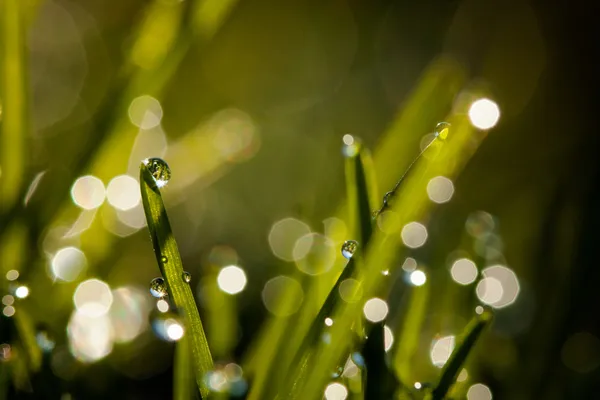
(459, 355)
(361, 195)
(182, 371)
(172, 270)
(13, 109)
(381, 383)
(407, 338)
(220, 318)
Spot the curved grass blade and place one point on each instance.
(165, 248)
(459, 355)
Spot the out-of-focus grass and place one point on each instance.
(171, 267)
(288, 359)
(407, 339)
(459, 355)
(13, 109)
(161, 41)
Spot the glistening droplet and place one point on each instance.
(164, 259)
(442, 130)
(349, 248)
(386, 198)
(158, 288)
(159, 169)
(187, 277)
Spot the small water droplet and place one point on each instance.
(441, 130)
(187, 277)
(349, 248)
(158, 288)
(386, 198)
(159, 169)
(164, 259)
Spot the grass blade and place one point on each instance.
(165, 247)
(408, 337)
(182, 371)
(13, 88)
(360, 184)
(381, 383)
(459, 355)
(360, 187)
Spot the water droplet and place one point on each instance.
(187, 277)
(386, 198)
(349, 248)
(159, 169)
(441, 130)
(164, 259)
(158, 288)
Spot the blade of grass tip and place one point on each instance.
(472, 332)
(13, 94)
(361, 192)
(169, 262)
(390, 195)
(362, 195)
(381, 383)
(182, 371)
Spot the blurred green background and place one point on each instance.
(248, 101)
